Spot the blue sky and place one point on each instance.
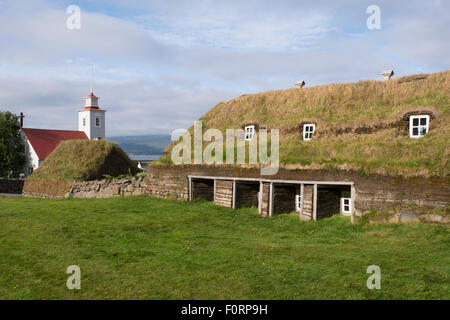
(162, 64)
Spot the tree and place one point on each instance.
(12, 146)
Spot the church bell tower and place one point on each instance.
(91, 119)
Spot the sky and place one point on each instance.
(160, 65)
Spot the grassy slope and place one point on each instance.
(146, 248)
(85, 160)
(350, 105)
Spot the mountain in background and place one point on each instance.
(152, 144)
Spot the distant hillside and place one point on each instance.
(360, 126)
(148, 144)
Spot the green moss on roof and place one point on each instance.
(85, 160)
(357, 124)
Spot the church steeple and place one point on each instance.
(92, 119)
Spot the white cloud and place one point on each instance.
(234, 31)
(164, 64)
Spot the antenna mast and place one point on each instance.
(92, 79)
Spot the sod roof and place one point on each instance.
(85, 160)
(360, 126)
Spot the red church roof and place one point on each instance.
(45, 141)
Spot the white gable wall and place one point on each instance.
(32, 161)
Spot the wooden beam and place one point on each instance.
(315, 203)
(339, 183)
(260, 197)
(352, 204)
(270, 199)
(214, 191)
(190, 189)
(234, 195)
(301, 200)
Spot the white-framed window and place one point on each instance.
(418, 125)
(97, 121)
(308, 130)
(298, 202)
(84, 122)
(249, 132)
(346, 205)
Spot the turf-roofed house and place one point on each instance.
(343, 148)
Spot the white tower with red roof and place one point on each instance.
(91, 119)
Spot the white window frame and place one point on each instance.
(84, 122)
(97, 119)
(298, 202)
(343, 205)
(419, 127)
(306, 136)
(249, 132)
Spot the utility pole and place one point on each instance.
(21, 119)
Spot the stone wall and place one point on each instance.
(11, 185)
(46, 188)
(386, 194)
(169, 184)
(382, 193)
(107, 188)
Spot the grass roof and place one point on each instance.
(359, 126)
(85, 160)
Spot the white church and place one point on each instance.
(39, 143)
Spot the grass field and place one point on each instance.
(147, 248)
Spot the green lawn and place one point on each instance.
(147, 248)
